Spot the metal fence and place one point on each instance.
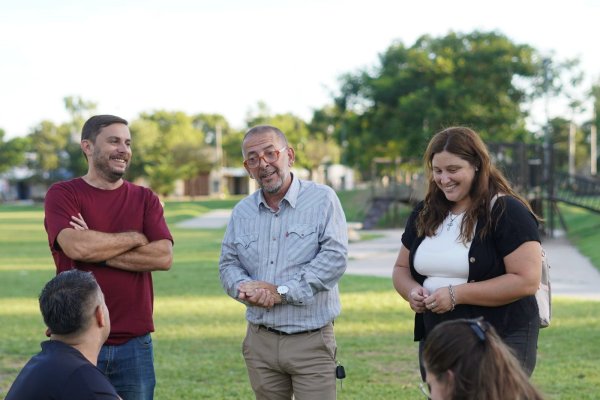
(528, 167)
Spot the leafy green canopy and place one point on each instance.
(11, 152)
(168, 146)
(478, 79)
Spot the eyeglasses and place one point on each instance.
(425, 389)
(270, 156)
(479, 326)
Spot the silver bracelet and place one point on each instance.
(452, 297)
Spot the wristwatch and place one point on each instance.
(282, 291)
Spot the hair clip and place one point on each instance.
(479, 326)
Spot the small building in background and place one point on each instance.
(338, 176)
(236, 181)
(16, 185)
(226, 181)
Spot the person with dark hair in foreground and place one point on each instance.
(104, 224)
(77, 318)
(466, 359)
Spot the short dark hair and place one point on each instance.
(66, 301)
(94, 125)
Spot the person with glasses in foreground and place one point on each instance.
(283, 253)
(466, 359)
(471, 248)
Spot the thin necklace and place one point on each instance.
(452, 218)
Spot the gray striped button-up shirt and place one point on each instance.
(303, 245)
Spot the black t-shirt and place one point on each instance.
(60, 371)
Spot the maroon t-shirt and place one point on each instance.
(128, 295)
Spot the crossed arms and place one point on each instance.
(130, 251)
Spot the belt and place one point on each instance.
(278, 332)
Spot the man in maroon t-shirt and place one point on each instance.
(115, 229)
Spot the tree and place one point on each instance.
(221, 136)
(55, 149)
(79, 110)
(47, 144)
(478, 79)
(322, 148)
(167, 147)
(232, 148)
(12, 152)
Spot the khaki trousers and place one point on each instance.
(302, 365)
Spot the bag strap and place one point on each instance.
(493, 200)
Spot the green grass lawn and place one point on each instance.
(583, 230)
(200, 329)
(356, 202)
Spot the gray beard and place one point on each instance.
(273, 189)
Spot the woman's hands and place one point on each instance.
(439, 301)
(417, 296)
(416, 299)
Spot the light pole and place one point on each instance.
(548, 150)
(593, 144)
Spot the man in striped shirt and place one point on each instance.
(283, 254)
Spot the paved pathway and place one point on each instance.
(572, 274)
(215, 219)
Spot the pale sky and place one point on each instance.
(223, 56)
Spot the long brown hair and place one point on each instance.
(484, 368)
(488, 182)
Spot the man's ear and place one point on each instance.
(99, 315)
(450, 382)
(86, 146)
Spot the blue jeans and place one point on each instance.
(130, 367)
(524, 342)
